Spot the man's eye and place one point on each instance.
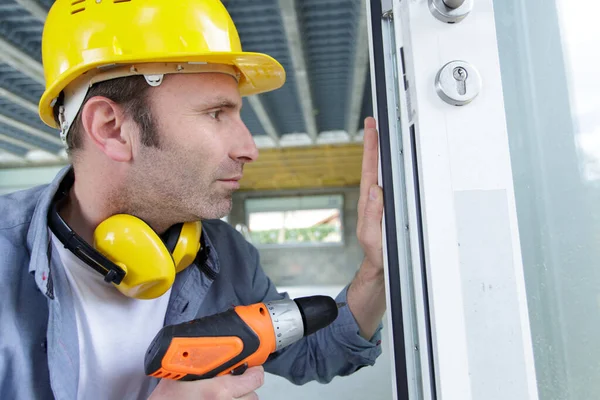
(215, 114)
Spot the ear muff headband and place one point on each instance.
(74, 243)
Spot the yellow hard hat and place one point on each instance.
(84, 39)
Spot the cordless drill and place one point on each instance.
(234, 340)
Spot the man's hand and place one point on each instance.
(227, 387)
(366, 295)
(370, 203)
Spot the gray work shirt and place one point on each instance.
(39, 350)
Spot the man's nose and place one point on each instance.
(243, 149)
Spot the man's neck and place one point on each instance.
(90, 203)
(85, 208)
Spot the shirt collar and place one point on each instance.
(212, 258)
(38, 238)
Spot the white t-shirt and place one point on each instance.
(114, 333)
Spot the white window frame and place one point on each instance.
(464, 270)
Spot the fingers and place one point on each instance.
(245, 384)
(370, 157)
(249, 396)
(370, 235)
(223, 387)
(369, 173)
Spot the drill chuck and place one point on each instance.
(293, 319)
(287, 322)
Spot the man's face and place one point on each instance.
(203, 148)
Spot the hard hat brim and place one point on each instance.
(259, 73)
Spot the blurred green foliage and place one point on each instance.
(315, 234)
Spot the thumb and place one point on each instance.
(240, 385)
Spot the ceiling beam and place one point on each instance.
(294, 39)
(34, 9)
(323, 151)
(13, 155)
(20, 61)
(18, 100)
(22, 143)
(264, 118)
(30, 130)
(359, 74)
(332, 163)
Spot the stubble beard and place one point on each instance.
(184, 202)
(209, 205)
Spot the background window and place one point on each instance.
(295, 221)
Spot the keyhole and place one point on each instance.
(460, 74)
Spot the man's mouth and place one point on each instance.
(231, 182)
(232, 179)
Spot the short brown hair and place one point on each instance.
(130, 93)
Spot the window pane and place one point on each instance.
(296, 227)
(549, 58)
(309, 220)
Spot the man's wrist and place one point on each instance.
(370, 274)
(366, 298)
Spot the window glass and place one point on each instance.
(298, 221)
(549, 57)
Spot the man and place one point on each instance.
(147, 96)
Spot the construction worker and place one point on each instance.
(127, 238)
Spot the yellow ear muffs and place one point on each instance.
(149, 267)
(131, 244)
(187, 246)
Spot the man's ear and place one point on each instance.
(103, 121)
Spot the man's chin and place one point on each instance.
(218, 209)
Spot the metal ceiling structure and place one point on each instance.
(322, 44)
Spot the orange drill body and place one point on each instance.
(232, 341)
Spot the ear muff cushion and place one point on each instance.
(130, 243)
(188, 245)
